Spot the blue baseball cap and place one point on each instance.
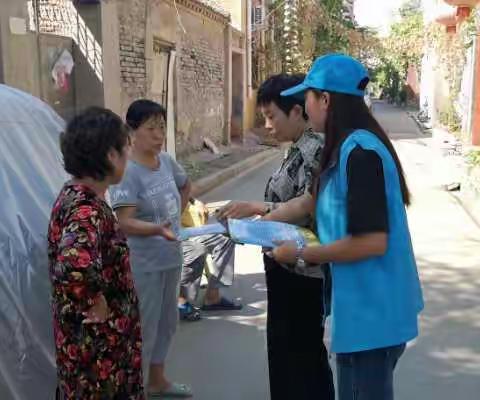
(334, 73)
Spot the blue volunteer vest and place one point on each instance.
(375, 302)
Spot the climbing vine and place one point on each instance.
(320, 28)
(451, 52)
(473, 158)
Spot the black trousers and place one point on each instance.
(297, 357)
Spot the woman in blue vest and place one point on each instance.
(359, 205)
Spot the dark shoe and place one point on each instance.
(189, 313)
(223, 305)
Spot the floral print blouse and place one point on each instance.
(89, 257)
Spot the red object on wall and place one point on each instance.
(464, 8)
(449, 20)
(462, 3)
(463, 13)
(452, 30)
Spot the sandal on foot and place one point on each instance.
(175, 390)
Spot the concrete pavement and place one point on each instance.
(257, 161)
(444, 363)
(224, 356)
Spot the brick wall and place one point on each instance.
(200, 83)
(132, 48)
(56, 17)
(199, 90)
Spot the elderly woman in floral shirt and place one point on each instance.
(95, 307)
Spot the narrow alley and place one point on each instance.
(116, 116)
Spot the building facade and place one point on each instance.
(193, 56)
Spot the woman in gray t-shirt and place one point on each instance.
(149, 203)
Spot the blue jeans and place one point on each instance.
(367, 375)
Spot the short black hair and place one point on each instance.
(269, 92)
(140, 111)
(87, 140)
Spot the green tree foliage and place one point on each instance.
(405, 43)
(402, 48)
(321, 29)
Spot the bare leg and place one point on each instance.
(212, 296)
(157, 380)
(182, 298)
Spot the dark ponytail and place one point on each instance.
(347, 113)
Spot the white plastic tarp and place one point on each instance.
(31, 176)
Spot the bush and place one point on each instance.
(473, 158)
(450, 119)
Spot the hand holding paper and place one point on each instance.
(285, 252)
(267, 233)
(256, 232)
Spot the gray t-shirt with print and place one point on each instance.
(156, 196)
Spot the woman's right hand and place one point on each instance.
(241, 209)
(98, 313)
(133, 226)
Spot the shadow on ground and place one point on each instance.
(445, 361)
(228, 348)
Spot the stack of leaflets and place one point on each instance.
(255, 232)
(209, 229)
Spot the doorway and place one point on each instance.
(237, 97)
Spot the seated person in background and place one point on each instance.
(220, 274)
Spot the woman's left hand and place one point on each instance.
(165, 230)
(98, 313)
(285, 253)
